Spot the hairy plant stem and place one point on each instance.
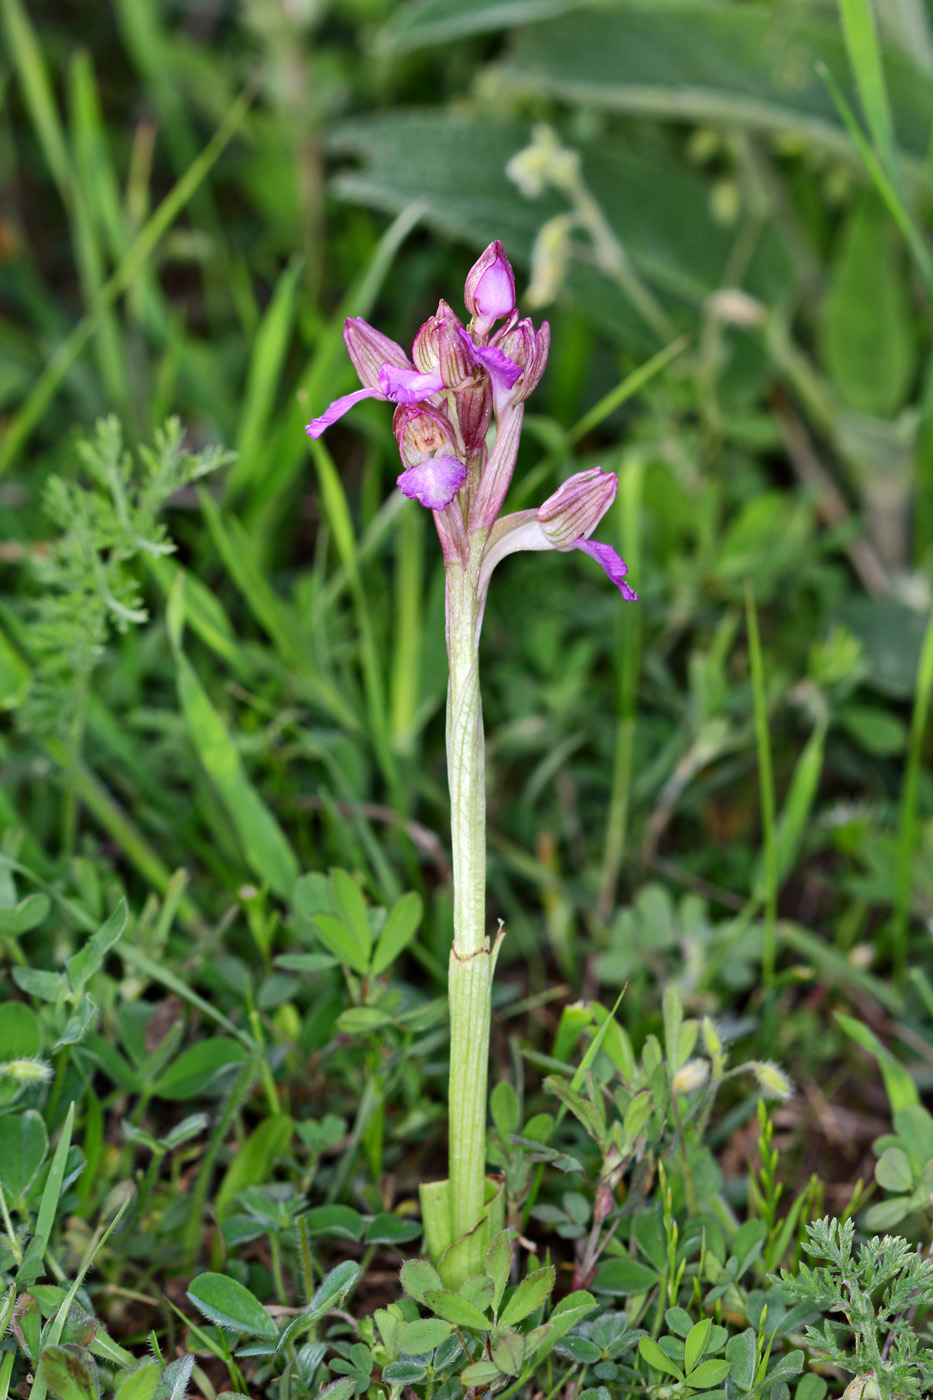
(472, 960)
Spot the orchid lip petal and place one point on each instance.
(497, 364)
(434, 482)
(613, 563)
(337, 409)
(401, 385)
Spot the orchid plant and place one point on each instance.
(460, 402)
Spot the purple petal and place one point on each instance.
(615, 566)
(499, 367)
(434, 482)
(401, 385)
(337, 409)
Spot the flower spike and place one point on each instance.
(489, 292)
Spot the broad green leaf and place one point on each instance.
(27, 1324)
(196, 1068)
(505, 1109)
(480, 1373)
(868, 343)
(350, 907)
(25, 915)
(456, 166)
(695, 1343)
(403, 1372)
(623, 1277)
(659, 1359)
(709, 1373)
(452, 1308)
(509, 1353)
(227, 1303)
(811, 1387)
(418, 23)
(20, 1036)
(400, 926)
(343, 942)
(417, 1276)
(478, 1289)
(392, 1229)
(139, 1384)
(884, 1216)
(741, 1354)
(706, 61)
(498, 1266)
(528, 1296)
(70, 1372)
(361, 1020)
(343, 1222)
(423, 1336)
(23, 1145)
(334, 1287)
(877, 731)
(892, 1171)
(36, 982)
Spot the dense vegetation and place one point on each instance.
(225, 888)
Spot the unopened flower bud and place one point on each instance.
(576, 507)
(422, 432)
(455, 363)
(712, 1041)
(489, 290)
(426, 351)
(27, 1071)
(692, 1075)
(526, 348)
(369, 350)
(772, 1081)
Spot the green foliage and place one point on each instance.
(106, 522)
(873, 1287)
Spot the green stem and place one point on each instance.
(471, 958)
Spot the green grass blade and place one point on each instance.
(265, 846)
(627, 388)
(120, 828)
(164, 978)
(111, 352)
(263, 382)
(408, 629)
(627, 653)
(26, 53)
(896, 207)
(277, 619)
(766, 787)
(908, 827)
(864, 50)
(24, 423)
(337, 513)
(321, 380)
(31, 1267)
